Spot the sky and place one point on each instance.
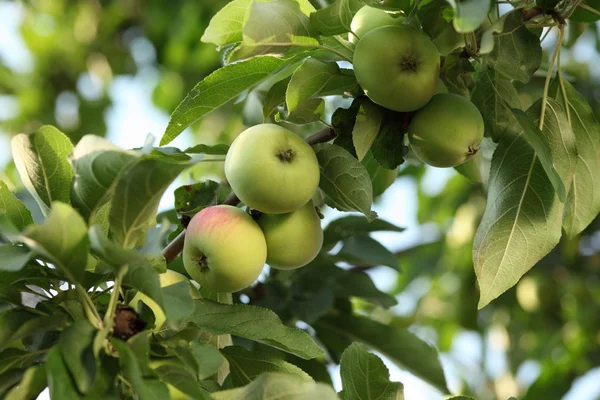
(132, 117)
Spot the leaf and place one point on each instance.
(314, 78)
(363, 250)
(388, 149)
(42, 161)
(218, 88)
(217, 149)
(63, 239)
(521, 223)
(208, 358)
(492, 93)
(343, 120)
(246, 366)
(401, 346)
(517, 51)
(254, 323)
(381, 178)
(458, 73)
(275, 97)
(352, 225)
(365, 376)
(136, 198)
(469, 14)
(145, 388)
(59, 381)
(583, 200)
(182, 380)
(276, 27)
(582, 15)
(225, 27)
(309, 111)
(366, 127)
(178, 302)
(75, 344)
(32, 384)
(14, 208)
(271, 386)
(97, 164)
(310, 307)
(19, 323)
(463, 398)
(344, 180)
(334, 19)
(191, 199)
(13, 257)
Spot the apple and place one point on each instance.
(447, 131)
(293, 239)
(397, 67)
(174, 393)
(271, 169)
(224, 249)
(369, 18)
(166, 279)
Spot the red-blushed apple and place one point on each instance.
(369, 18)
(224, 249)
(397, 67)
(293, 239)
(447, 131)
(271, 169)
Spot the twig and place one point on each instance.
(174, 248)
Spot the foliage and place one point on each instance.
(81, 233)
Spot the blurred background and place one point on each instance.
(118, 68)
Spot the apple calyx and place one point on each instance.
(286, 155)
(202, 262)
(408, 63)
(472, 150)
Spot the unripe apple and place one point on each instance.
(224, 249)
(447, 131)
(271, 169)
(293, 239)
(397, 67)
(369, 18)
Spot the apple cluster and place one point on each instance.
(398, 67)
(272, 171)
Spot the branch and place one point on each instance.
(174, 248)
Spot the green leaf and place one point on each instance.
(59, 381)
(254, 323)
(309, 111)
(352, 225)
(14, 208)
(365, 376)
(182, 380)
(334, 19)
(583, 199)
(276, 27)
(314, 78)
(136, 198)
(582, 15)
(208, 358)
(517, 51)
(391, 5)
(272, 386)
(381, 178)
(458, 74)
(401, 346)
(19, 323)
(33, 383)
(363, 250)
(97, 164)
(522, 220)
(431, 15)
(13, 358)
(246, 366)
(178, 302)
(344, 180)
(492, 93)
(147, 388)
(343, 120)
(469, 14)
(217, 149)
(275, 97)
(13, 257)
(42, 161)
(75, 344)
(366, 127)
(312, 306)
(463, 398)
(62, 238)
(388, 148)
(225, 27)
(191, 199)
(218, 88)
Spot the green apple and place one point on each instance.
(369, 18)
(166, 279)
(293, 239)
(447, 131)
(397, 67)
(224, 249)
(271, 169)
(174, 393)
